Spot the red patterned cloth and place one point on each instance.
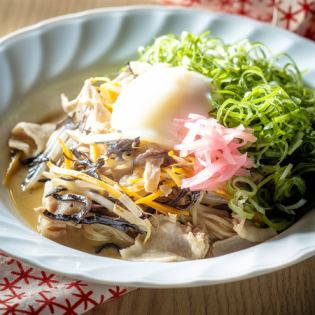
(295, 15)
(28, 290)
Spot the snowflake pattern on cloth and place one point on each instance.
(28, 290)
(295, 15)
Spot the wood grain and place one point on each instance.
(15, 14)
(289, 291)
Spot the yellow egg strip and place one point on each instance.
(68, 155)
(149, 197)
(94, 152)
(110, 91)
(166, 209)
(174, 176)
(155, 205)
(135, 180)
(87, 178)
(188, 160)
(107, 186)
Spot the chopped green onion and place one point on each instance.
(265, 93)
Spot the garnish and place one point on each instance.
(265, 93)
(216, 152)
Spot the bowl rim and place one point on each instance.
(195, 280)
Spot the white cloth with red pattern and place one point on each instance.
(295, 15)
(31, 291)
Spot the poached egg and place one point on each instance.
(148, 105)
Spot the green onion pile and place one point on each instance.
(267, 94)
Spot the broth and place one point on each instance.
(25, 202)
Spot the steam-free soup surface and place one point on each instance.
(25, 202)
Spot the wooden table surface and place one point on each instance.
(289, 291)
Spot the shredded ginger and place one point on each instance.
(216, 151)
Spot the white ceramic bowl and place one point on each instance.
(40, 62)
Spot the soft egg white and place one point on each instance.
(148, 105)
